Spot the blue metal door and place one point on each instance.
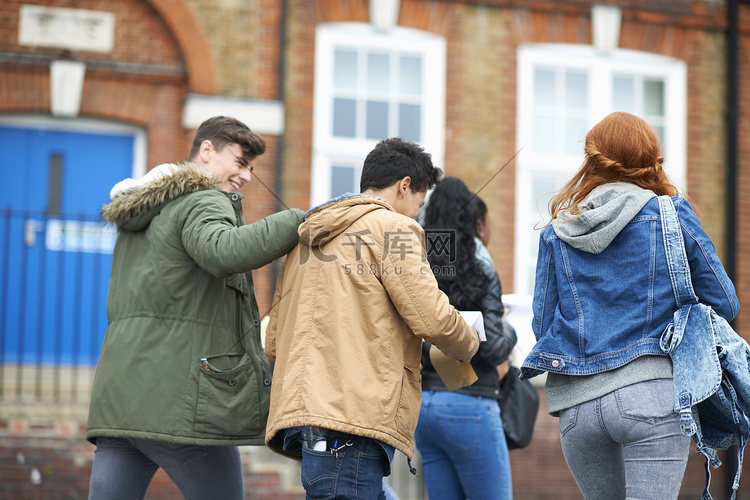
(55, 251)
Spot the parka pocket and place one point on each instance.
(407, 412)
(228, 401)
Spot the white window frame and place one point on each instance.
(329, 150)
(600, 68)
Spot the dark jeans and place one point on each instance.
(123, 469)
(354, 472)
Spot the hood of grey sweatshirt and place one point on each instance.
(604, 213)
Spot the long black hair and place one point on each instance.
(453, 212)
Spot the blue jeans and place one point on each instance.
(626, 444)
(354, 472)
(123, 469)
(463, 448)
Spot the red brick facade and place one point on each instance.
(168, 49)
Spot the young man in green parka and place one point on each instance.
(182, 379)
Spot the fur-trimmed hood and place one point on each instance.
(135, 203)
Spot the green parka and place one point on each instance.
(182, 360)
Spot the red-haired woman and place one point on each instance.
(602, 298)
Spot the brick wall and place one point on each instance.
(258, 203)
(150, 99)
(243, 37)
(742, 278)
(242, 40)
(298, 92)
(45, 457)
(140, 36)
(481, 117)
(49, 438)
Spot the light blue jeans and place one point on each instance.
(626, 444)
(463, 448)
(123, 469)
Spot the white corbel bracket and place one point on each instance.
(605, 26)
(384, 14)
(66, 88)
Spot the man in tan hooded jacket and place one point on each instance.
(353, 303)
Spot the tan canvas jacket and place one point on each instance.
(352, 305)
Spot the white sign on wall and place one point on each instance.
(80, 236)
(75, 29)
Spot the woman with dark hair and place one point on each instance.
(460, 434)
(602, 299)
(483, 224)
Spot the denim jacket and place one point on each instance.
(710, 363)
(600, 306)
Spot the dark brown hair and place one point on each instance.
(221, 130)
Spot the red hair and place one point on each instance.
(620, 148)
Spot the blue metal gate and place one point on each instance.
(55, 251)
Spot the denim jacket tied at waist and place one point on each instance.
(710, 364)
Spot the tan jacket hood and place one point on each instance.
(324, 222)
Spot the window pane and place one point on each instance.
(342, 180)
(377, 120)
(543, 187)
(544, 87)
(623, 94)
(576, 90)
(378, 72)
(345, 69)
(660, 134)
(54, 198)
(653, 97)
(542, 190)
(344, 117)
(411, 75)
(575, 133)
(543, 134)
(410, 122)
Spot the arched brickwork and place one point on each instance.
(196, 52)
(160, 55)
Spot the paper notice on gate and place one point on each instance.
(476, 320)
(454, 374)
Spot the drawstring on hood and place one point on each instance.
(604, 213)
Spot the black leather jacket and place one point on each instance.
(501, 337)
